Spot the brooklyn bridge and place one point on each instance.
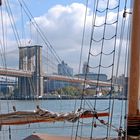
(31, 75)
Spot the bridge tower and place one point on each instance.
(30, 59)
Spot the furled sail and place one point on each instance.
(40, 115)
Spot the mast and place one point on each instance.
(133, 126)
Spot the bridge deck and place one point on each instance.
(22, 73)
(15, 72)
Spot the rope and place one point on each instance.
(22, 23)
(3, 45)
(102, 40)
(125, 70)
(83, 91)
(111, 111)
(40, 32)
(10, 14)
(10, 137)
(99, 69)
(90, 54)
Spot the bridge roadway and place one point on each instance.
(21, 73)
(76, 80)
(15, 72)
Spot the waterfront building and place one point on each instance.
(122, 81)
(85, 68)
(52, 85)
(92, 76)
(6, 87)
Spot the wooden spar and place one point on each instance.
(134, 77)
(102, 114)
(19, 118)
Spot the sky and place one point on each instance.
(61, 21)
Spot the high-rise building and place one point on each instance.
(64, 69)
(85, 68)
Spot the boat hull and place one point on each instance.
(54, 137)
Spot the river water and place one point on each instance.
(58, 128)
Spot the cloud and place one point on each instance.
(63, 24)
(5, 22)
(103, 4)
(63, 27)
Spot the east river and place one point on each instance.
(19, 132)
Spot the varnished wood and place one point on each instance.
(133, 138)
(133, 125)
(134, 78)
(133, 120)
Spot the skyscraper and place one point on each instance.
(85, 68)
(64, 69)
